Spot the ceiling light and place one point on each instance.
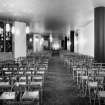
(1, 30)
(51, 38)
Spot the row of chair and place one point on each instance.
(88, 74)
(23, 80)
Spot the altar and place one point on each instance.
(55, 52)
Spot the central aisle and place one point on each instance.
(59, 88)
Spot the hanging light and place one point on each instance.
(51, 39)
(13, 29)
(0, 30)
(30, 40)
(7, 27)
(27, 30)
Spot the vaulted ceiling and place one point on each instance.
(73, 12)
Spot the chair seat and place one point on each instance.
(32, 68)
(102, 73)
(101, 93)
(38, 77)
(42, 68)
(84, 77)
(40, 72)
(29, 72)
(23, 78)
(36, 83)
(8, 73)
(21, 72)
(20, 83)
(80, 72)
(31, 95)
(4, 83)
(7, 95)
(5, 69)
(92, 84)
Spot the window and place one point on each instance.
(5, 37)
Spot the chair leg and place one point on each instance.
(77, 78)
(99, 101)
(73, 74)
(85, 89)
(94, 99)
(90, 97)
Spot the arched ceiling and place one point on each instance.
(60, 12)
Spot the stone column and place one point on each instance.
(72, 41)
(99, 37)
